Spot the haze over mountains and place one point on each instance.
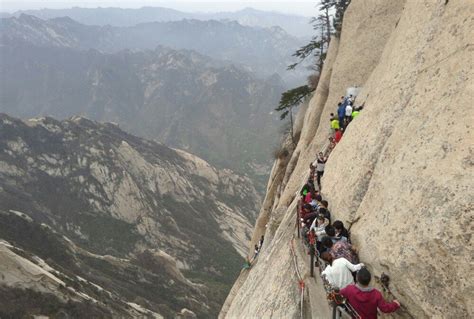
(96, 221)
(264, 51)
(210, 107)
(296, 25)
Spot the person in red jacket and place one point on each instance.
(337, 136)
(365, 300)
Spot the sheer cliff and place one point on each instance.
(402, 176)
(105, 219)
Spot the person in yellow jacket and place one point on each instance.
(355, 113)
(334, 123)
(357, 110)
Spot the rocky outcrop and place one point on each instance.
(33, 286)
(162, 220)
(402, 174)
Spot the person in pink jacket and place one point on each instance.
(366, 300)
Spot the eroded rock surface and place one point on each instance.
(402, 176)
(148, 222)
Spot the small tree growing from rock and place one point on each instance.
(290, 99)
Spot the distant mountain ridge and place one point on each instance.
(264, 51)
(293, 24)
(184, 99)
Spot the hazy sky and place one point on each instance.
(302, 7)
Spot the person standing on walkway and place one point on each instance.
(337, 136)
(339, 249)
(355, 113)
(341, 113)
(334, 122)
(348, 118)
(320, 163)
(366, 300)
(339, 271)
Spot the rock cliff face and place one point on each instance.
(152, 226)
(402, 176)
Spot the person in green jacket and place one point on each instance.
(355, 113)
(357, 110)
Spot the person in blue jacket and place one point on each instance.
(341, 113)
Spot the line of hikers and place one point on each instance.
(332, 242)
(343, 273)
(346, 112)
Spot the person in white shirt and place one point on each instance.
(339, 271)
(348, 110)
(348, 114)
(319, 224)
(320, 163)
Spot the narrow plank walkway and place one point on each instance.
(318, 305)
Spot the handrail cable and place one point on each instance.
(298, 274)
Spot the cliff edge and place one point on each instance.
(402, 176)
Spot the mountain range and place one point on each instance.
(96, 219)
(97, 222)
(211, 108)
(296, 25)
(263, 51)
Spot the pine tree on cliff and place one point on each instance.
(340, 6)
(317, 46)
(319, 43)
(290, 99)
